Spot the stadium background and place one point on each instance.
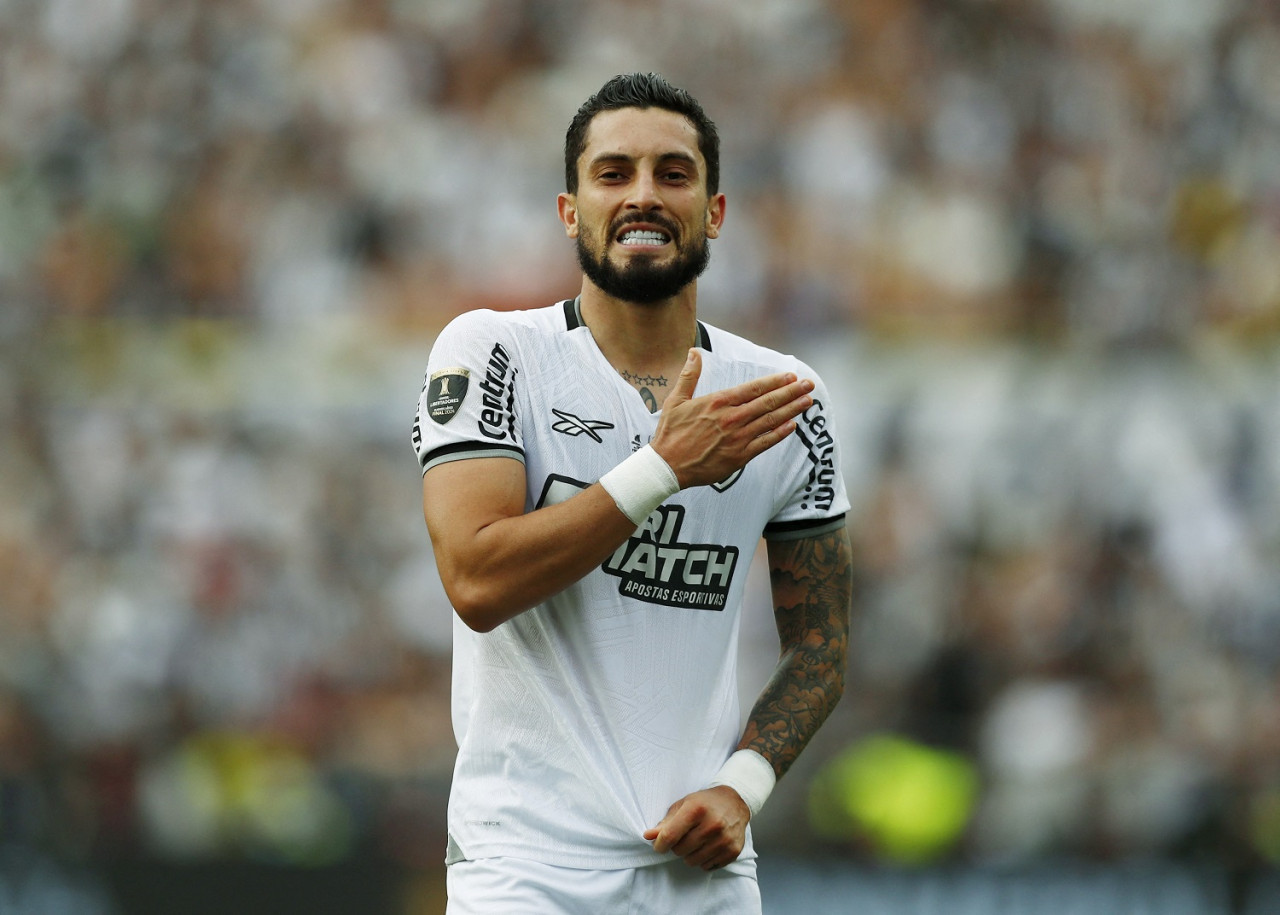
(1031, 245)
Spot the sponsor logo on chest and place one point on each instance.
(655, 566)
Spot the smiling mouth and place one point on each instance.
(643, 238)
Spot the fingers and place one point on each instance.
(793, 394)
(703, 846)
(771, 416)
(672, 830)
(687, 380)
(707, 438)
(786, 403)
(694, 832)
(773, 404)
(706, 852)
(782, 394)
(771, 387)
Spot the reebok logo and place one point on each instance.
(575, 425)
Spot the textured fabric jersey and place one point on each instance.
(516, 886)
(580, 721)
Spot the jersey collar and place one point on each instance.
(573, 320)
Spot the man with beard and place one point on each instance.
(597, 475)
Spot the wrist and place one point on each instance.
(640, 484)
(749, 774)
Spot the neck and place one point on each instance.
(647, 344)
(634, 336)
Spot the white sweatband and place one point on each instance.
(640, 484)
(749, 774)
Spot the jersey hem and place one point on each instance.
(582, 861)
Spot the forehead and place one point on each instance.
(641, 132)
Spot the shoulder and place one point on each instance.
(756, 358)
(484, 333)
(743, 359)
(546, 318)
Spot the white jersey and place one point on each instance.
(580, 721)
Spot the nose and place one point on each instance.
(644, 193)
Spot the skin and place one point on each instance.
(641, 163)
(812, 583)
(496, 561)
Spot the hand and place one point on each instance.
(707, 438)
(707, 828)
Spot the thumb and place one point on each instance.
(687, 380)
(671, 829)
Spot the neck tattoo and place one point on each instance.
(645, 385)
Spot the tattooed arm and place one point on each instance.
(812, 581)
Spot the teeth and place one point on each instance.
(643, 237)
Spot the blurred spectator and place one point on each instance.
(1029, 243)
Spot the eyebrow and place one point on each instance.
(681, 157)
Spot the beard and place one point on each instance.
(641, 280)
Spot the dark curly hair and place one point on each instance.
(641, 90)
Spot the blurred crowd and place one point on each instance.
(1030, 244)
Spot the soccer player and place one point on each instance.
(596, 477)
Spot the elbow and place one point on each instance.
(477, 623)
(479, 607)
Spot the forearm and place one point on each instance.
(513, 563)
(799, 697)
(812, 590)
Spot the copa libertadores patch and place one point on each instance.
(445, 393)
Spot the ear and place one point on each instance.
(567, 207)
(715, 215)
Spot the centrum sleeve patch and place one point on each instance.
(445, 393)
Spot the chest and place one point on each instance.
(579, 419)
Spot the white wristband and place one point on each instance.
(640, 484)
(749, 774)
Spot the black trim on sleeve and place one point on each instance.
(796, 530)
(460, 449)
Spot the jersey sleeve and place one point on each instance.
(469, 406)
(812, 489)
